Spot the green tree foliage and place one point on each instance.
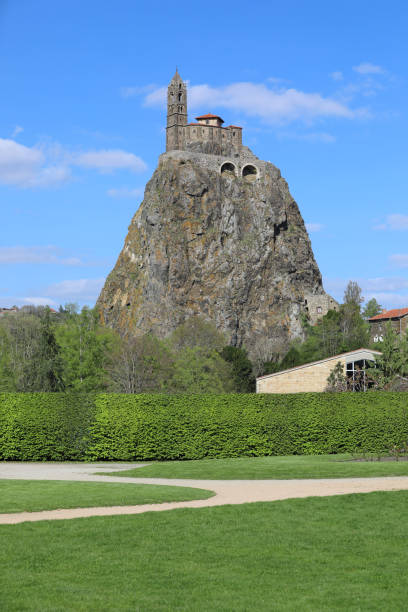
(352, 294)
(198, 365)
(49, 361)
(31, 359)
(201, 370)
(371, 309)
(86, 349)
(196, 331)
(337, 380)
(242, 371)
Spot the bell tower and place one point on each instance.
(176, 113)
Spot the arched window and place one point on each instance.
(250, 173)
(228, 170)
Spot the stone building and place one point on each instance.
(398, 319)
(181, 136)
(312, 377)
(317, 306)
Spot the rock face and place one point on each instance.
(209, 241)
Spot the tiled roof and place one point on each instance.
(210, 116)
(390, 314)
(217, 127)
(236, 126)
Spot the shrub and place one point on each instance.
(122, 427)
(45, 426)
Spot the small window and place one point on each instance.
(319, 310)
(207, 122)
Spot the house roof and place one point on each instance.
(390, 314)
(238, 127)
(357, 354)
(216, 127)
(210, 116)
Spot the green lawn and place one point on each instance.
(345, 553)
(295, 466)
(32, 495)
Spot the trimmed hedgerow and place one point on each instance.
(43, 426)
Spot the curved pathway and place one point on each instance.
(226, 491)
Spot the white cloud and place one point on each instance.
(106, 161)
(337, 76)
(257, 99)
(314, 227)
(130, 92)
(389, 300)
(23, 166)
(394, 222)
(399, 260)
(81, 289)
(35, 255)
(324, 137)
(125, 192)
(17, 130)
(39, 301)
(50, 165)
(367, 68)
(385, 284)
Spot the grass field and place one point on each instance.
(294, 466)
(345, 553)
(32, 495)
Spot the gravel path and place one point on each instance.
(226, 491)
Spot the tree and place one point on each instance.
(196, 331)
(337, 381)
(142, 365)
(241, 366)
(402, 355)
(352, 294)
(371, 309)
(202, 370)
(49, 364)
(86, 347)
(388, 363)
(31, 359)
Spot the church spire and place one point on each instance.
(176, 113)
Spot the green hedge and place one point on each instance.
(52, 426)
(45, 426)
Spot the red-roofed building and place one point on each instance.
(210, 119)
(398, 317)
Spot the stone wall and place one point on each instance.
(306, 378)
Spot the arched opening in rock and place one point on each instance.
(228, 169)
(250, 173)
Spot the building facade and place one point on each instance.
(312, 377)
(398, 319)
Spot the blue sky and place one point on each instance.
(319, 87)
